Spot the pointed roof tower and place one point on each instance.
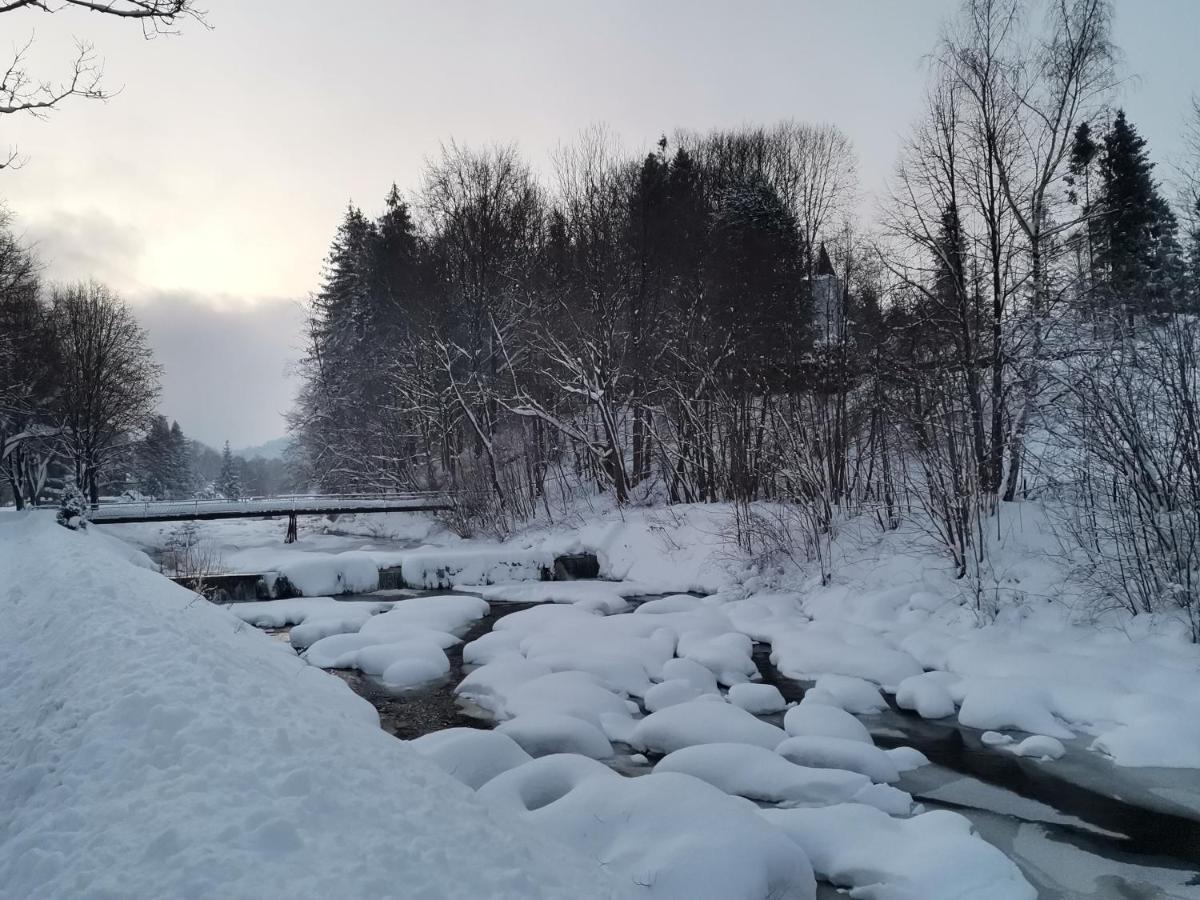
(824, 265)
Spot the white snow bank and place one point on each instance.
(167, 750)
(932, 856)
(667, 835)
(601, 596)
(809, 653)
(702, 722)
(439, 568)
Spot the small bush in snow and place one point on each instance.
(72, 508)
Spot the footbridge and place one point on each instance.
(292, 505)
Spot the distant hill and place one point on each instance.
(272, 449)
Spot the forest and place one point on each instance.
(712, 321)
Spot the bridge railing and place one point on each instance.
(267, 505)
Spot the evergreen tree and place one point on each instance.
(1140, 253)
(179, 469)
(229, 482)
(154, 459)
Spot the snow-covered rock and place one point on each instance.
(926, 694)
(854, 695)
(932, 856)
(819, 720)
(840, 753)
(700, 722)
(713, 851)
(759, 699)
(541, 734)
(472, 755)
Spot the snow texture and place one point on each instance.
(168, 750)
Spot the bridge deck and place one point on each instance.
(260, 507)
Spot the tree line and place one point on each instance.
(707, 321)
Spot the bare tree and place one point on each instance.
(108, 378)
(23, 91)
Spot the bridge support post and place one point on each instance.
(291, 531)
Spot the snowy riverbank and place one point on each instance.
(154, 746)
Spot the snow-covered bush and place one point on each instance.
(72, 508)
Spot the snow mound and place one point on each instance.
(840, 753)
(932, 856)
(667, 835)
(759, 699)
(758, 774)
(1039, 746)
(926, 695)
(701, 722)
(810, 653)
(167, 750)
(819, 720)
(699, 677)
(991, 704)
(472, 755)
(671, 693)
(600, 596)
(451, 613)
(542, 734)
(854, 695)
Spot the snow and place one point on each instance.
(600, 596)
(452, 613)
(926, 695)
(727, 656)
(1039, 747)
(996, 704)
(167, 750)
(810, 653)
(840, 753)
(668, 835)
(820, 720)
(474, 756)
(854, 695)
(671, 693)
(758, 774)
(759, 699)
(701, 722)
(541, 734)
(438, 568)
(932, 856)
(700, 678)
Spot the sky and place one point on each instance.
(208, 188)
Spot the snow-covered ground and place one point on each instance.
(155, 746)
(1014, 666)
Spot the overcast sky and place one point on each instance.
(208, 189)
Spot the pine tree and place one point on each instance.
(179, 469)
(154, 459)
(1140, 253)
(229, 482)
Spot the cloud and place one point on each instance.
(76, 246)
(228, 364)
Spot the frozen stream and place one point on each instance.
(1078, 827)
